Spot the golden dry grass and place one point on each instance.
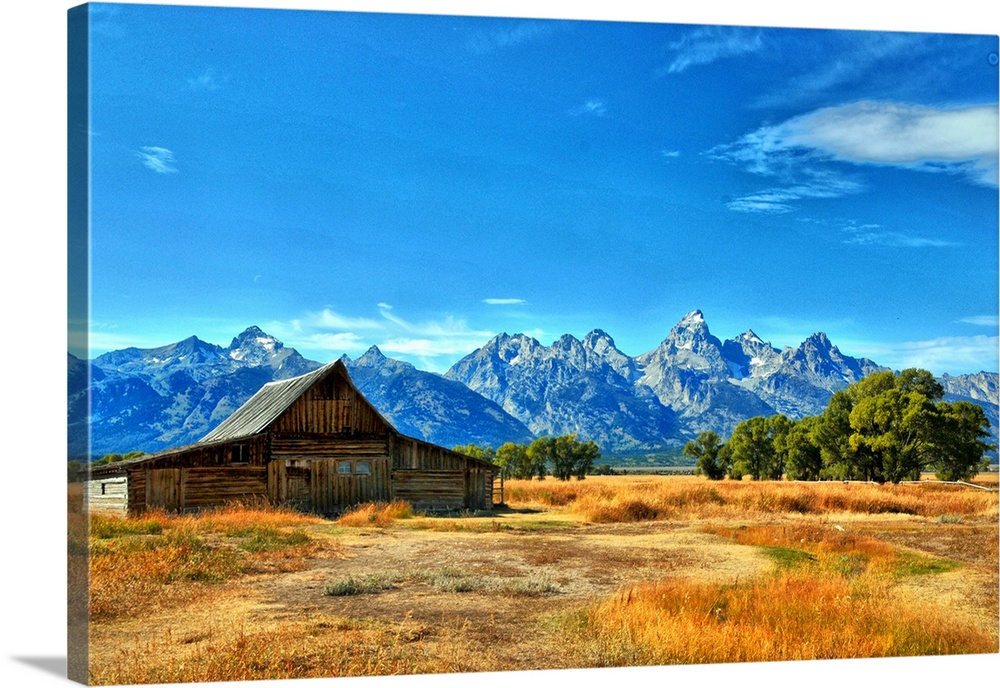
(622, 499)
(376, 514)
(156, 561)
(815, 590)
(312, 647)
(793, 616)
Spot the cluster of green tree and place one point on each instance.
(563, 457)
(75, 470)
(883, 428)
(115, 458)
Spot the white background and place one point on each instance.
(33, 339)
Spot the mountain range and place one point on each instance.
(513, 388)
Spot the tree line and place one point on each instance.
(563, 457)
(883, 428)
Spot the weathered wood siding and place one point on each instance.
(409, 454)
(332, 406)
(208, 487)
(108, 494)
(428, 476)
(164, 489)
(136, 489)
(430, 489)
(328, 484)
(302, 445)
(191, 489)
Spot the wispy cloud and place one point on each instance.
(593, 106)
(208, 80)
(432, 344)
(863, 60)
(981, 320)
(711, 43)
(330, 319)
(670, 153)
(160, 160)
(953, 355)
(504, 302)
(780, 199)
(960, 140)
(514, 34)
(876, 235)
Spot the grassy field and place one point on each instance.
(609, 571)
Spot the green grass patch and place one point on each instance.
(107, 527)
(918, 565)
(268, 539)
(788, 558)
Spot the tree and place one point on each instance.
(513, 460)
(831, 434)
(539, 453)
(477, 452)
(705, 451)
(778, 427)
(960, 449)
(566, 455)
(922, 381)
(893, 433)
(899, 426)
(804, 459)
(752, 448)
(115, 458)
(586, 454)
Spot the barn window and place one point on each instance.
(104, 488)
(238, 454)
(344, 467)
(363, 467)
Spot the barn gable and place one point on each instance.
(311, 442)
(324, 401)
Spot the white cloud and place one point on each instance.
(504, 302)
(157, 159)
(952, 355)
(512, 35)
(861, 59)
(206, 81)
(711, 43)
(593, 106)
(669, 153)
(336, 342)
(875, 235)
(982, 320)
(959, 140)
(335, 321)
(431, 344)
(780, 199)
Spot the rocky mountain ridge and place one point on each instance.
(512, 388)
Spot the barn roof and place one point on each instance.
(270, 401)
(259, 411)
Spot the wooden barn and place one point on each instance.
(312, 443)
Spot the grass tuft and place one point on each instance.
(618, 499)
(377, 514)
(791, 616)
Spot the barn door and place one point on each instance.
(298, 493)
(163, 489)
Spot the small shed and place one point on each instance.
(312, 443)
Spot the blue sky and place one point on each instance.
(422, 183)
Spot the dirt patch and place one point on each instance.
(494, 595)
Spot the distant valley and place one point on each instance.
(513, 388)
